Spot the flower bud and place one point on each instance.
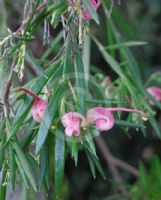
(95, 4)
(155, 92)
(39, 106)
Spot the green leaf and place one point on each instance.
(67, 59)
(2, 143)
(143, 176)
(91, 10)
(80, 83)
(59, 161)
(86, 56)
(27, 25)
(96, 163)
(25, 164)
(155, 126)
(33, 62)
(13, 168)
(126, 44)
(3, 180)
(89, 144)
(74, 145)
(128, 124)
(27, 140)
(49, 115)
(46, 12)
(43, 164)
(110, 60)
(91, 164)
(21, 171)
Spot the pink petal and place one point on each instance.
(69, 131)
(95, 3)
(66, 119)
(155, 92)
(71, 121)
(103, 119)
(38, 109)
(86, 15)
(39, 106)
(104, 125)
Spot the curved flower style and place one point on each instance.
(95, 4)
(39, 106)
(72, 121)
(155, 92)
(103, 117)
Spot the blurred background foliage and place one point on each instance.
(136, 21)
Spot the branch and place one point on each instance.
(108, 156)
(8, 84)
(22, 26)
(113, 163)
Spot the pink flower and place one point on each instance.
(155, 92)
(72, 122)
(95, 4)
(103, 117)
(39, 106)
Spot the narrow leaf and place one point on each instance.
(49, 115)
(12, 166)
(3, 180)
(80, 83)
(25, 164)
(21, 171)
(59, 161)
(43, 165)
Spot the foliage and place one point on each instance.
(61, 71)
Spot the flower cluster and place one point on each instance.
(86, 14)
(101, 117)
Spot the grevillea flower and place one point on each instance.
(103, 117)
(155, 92)
(72, 122)
(39, 106)
(95, 4)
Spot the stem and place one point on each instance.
(112, 166)
(108, 156)
(8, 84)
(6, 91)
(29, 92)
(86, 53)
